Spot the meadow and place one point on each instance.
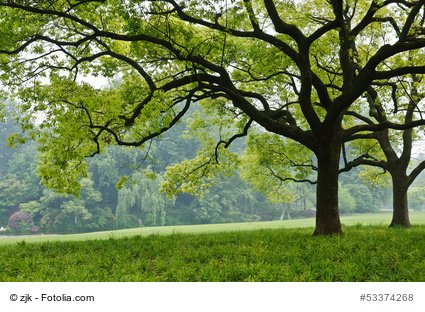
(383, 219)
(270, 251)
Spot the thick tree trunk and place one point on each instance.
(327, 211)
(400, 204)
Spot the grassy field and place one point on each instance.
(383, 219)
(271, 251)
(364, 253)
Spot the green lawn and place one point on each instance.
(364, 253)
(365, 219)
(261, 251)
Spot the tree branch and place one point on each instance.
(289, 178)
(233, 138)
(364, 159)
(383, 126)
(415, 172)
(280, 26)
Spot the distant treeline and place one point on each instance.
(109, 201)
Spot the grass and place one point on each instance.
(364, 253)
(383, 219)
(236, 252)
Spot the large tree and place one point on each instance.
(393, 153)
(294, 68)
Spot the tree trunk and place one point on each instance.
(327, 211)
(400, 204)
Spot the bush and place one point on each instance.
(21, 222)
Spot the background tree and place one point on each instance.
(21, 223)
(18, 178)
(394, 153)
(99, 205)
(347, 202)
(416, 198)
(292, 68)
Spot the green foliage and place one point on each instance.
(60, 213)
(137, 202)
(416, 197)
(347, 202)
(198, 174)
(195, 175)
(230, 201)
(372, 254)
(270, 163)
(12, 193)
(142, 201)
(21, 223)
(372, 176)
(364, 200)
(316, 72)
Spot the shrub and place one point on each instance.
(21, 222)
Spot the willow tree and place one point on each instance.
(293, 67)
